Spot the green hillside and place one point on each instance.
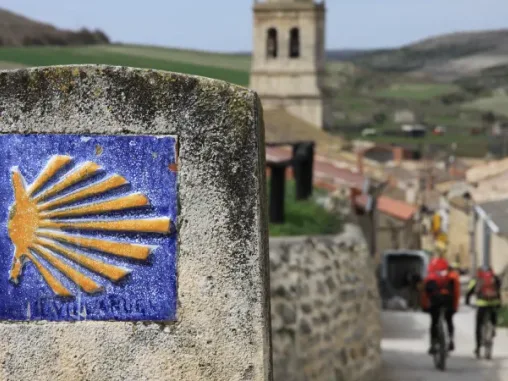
(476, 58)
(361, 97)
(231, 68)
(497, 104)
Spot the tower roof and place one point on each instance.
(289, 1)
(288, 4)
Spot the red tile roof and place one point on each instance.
(328, 175)
(324, 171)
(395, 208)
(278, 154)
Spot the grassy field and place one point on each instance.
(371, 100)
(305, 217)
(10, 65)
(416, 91)
(354, 103)
(458, 121)
(197, 63)
(497, 104)
(224, 61)
(358, 96)
(465, 145)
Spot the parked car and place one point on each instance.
(401, 271)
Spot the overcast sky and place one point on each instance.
(225, 25)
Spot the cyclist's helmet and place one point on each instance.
(438, 264)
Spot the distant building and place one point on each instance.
(414, 130)
(288, 61)
(459, 236)
(404, 116)
(491, 238)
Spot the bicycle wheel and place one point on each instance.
(442, 350)
(487, 336)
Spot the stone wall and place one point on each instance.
(325, 308)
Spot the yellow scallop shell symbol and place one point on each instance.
(39, 218)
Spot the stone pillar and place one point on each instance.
(131, 249)
(277, 192)
(303, 162)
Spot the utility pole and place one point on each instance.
(472, 232)
(373, 193)
(487, 234)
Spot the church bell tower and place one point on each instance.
(288, 60)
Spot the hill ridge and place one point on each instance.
(19, 30)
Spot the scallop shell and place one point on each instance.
(41, 215)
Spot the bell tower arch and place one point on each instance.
(288, 60)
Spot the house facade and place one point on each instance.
(459, 233)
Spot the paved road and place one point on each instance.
(406, 342)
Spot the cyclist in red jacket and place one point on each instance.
(441, 289)
(487, 287)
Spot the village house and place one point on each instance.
(491, 238)
(491, 234)
(469, 203)
(459, 231)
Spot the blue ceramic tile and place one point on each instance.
(87, 228)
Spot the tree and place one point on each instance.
(379, 117)
(488, 117)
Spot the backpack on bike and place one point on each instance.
(486, 288)
(437, 281)
(441, 278)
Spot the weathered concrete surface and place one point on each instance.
(405, 345)
(223, 331)
(325, 309)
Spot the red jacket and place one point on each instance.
(452, 277)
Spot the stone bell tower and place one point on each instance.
(288, 61)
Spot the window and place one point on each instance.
(271, 43)
(294, 43)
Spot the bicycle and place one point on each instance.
(487, 332)
(441, 345)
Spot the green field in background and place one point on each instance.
(152, 58)
(416, 91)
(497, 104)
(358, 95)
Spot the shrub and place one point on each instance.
(305, 217)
